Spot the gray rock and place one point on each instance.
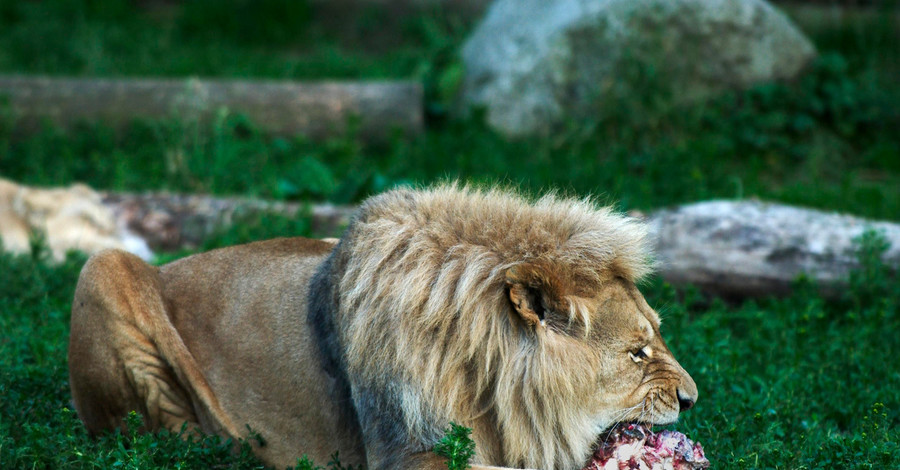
(752, 248)
(536, 63)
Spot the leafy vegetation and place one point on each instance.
(456, 446)
(798, 382)
(233, 38)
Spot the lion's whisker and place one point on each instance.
(619, 416)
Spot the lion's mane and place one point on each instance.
(413, 312)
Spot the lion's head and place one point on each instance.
(518, 319)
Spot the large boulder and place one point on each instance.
(535, 63)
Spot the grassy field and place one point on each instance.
(793, 383)
(785, 383)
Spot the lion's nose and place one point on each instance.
(685, 401)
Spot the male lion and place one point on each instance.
(72, 218)
(517, 319)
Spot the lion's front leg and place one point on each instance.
(389, 443)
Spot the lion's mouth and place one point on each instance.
(635, 445)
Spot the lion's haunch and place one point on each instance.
(636, 446)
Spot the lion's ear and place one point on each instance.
(533, 291)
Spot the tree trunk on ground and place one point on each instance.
(751, 248)
(735, 249)
(175, 221)
(277, 107)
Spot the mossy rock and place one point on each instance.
(535, 64)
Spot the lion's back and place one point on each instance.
(243, 313)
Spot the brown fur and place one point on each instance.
(218, 340)
(519, 320)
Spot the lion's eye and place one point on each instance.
(639, 355)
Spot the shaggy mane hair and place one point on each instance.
(425, 320)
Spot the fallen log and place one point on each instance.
(729, 248)
(752, 248)
(734, 249)
(277, 107)
(171, 222)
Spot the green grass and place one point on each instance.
(793, 383)
(784, 383)
(228, 38)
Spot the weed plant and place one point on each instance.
(456, 446)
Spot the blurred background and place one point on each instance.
(825, 136)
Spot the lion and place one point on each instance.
(72, 218)
(517, 318)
